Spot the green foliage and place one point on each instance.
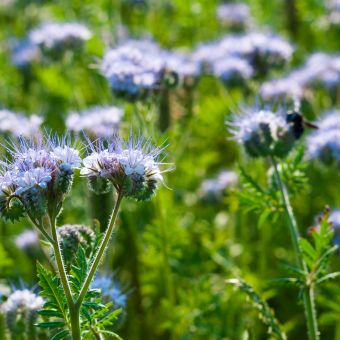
(95, 317)
(255, 198)
(317, 252)
(266, 314)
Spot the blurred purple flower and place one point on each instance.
(96, 121)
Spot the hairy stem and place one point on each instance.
(101, 251)
(308, 293)
(74, 310)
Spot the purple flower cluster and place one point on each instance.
(333, 7)
(96, 121)
(320, 68)
(50, 37)
(234, 15)
(19, 125)
(37, 176)
(213, 189)
(243, 55)
(132, 167)
(136, 69)
(324, 143)
(110, 289)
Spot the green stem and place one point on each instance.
(100, 252)
(74, 310)
(308, 293)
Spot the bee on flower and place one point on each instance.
(263, 133)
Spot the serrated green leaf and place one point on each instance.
(60, 335)
(51, 290)
(50, 312)
(327, 277)
(51, 324)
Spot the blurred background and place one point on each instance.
(169, 259)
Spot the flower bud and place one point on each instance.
(99, 185)
(71, 237)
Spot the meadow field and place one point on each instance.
(169, 169)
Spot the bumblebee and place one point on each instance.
(298, 123)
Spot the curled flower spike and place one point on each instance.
(37, 176)
(263, 133)
(132, 167)
(73, 236)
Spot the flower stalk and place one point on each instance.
(101, 250)
(73, 308)
(308, 291)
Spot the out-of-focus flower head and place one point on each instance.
(213, 189)
(52, 36)
(131, 166)
(233, 15)
(263, 133)
(319, 69)
(24, 53)
(37, 176)
(133, 69)
(19, 125)
(136, 69)
(182, 66)
(20, 311)
(324, 143)
(333, 7)
(262, 51)
(334, 218)
(96, 121)
(233, 70)
(110, 288)
(28, 241)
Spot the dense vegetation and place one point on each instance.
(211, 254)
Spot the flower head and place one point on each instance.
(21, 300)
(233, 15)
(263, 133)
(24, 53)
(32, 178)
(97, 121)
(131, 167)
(324, 143)
(213, 189)
(38, 174)
(232, 70)
(261, 51)
(110, 289)
(28, 240)
(133, 69)
(19, 125)
(52, 36)
(20, 309)
(319, 69)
